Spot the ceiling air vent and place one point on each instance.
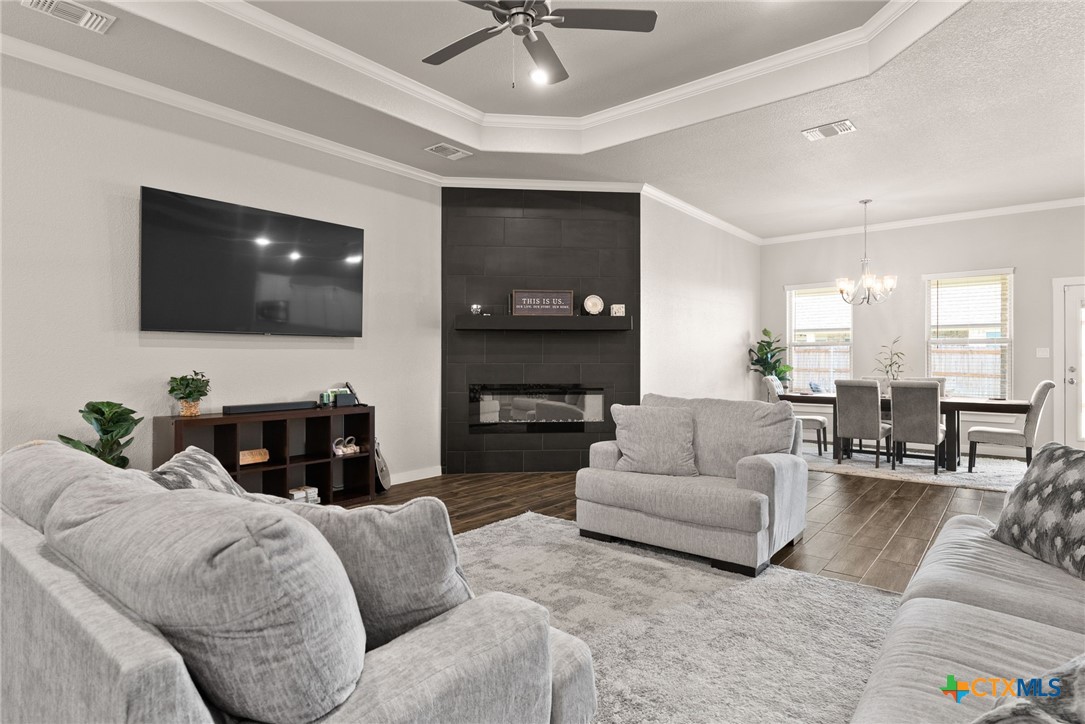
(73, 13)
(829, 130)
(448, 151)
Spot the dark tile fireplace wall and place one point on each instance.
(497, 240)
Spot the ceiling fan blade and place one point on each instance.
(636, 21)
(480, 4)
(545, 58)
(465, 43)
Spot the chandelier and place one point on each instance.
(870, 288)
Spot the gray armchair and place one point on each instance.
(916, 414)
(817, 423)
(859, 416)
(1002, 436)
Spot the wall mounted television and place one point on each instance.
(211, 266)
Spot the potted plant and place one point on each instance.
(768, 358)
(890, 361)
(113, 422)
(189, 390)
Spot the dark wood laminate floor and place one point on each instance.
(865, 530)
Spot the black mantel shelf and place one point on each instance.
(567, 324)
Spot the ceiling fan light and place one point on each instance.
(540, 76)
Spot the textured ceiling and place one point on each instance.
(987, 110)
(691, 40)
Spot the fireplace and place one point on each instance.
(533, 407)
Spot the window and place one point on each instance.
(969, 332)
(818, 337)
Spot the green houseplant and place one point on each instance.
(768, 357)
(113, 422)
(890, 361)
(189, 390)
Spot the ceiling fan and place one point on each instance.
(523, 16)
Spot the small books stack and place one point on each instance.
(304, 494)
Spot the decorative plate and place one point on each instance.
(593, 304)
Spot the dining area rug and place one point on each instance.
(674, 640)
(999, 474)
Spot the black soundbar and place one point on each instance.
(268, 407)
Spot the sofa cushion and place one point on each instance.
(703, 500)
(401, 560)
(1044, 514)
(725, 431)
(654, 440)
(931, 639)
(252, 596)
(485, 661)
(967, 565)
(195, 468)
(572, 680)
(34, 475)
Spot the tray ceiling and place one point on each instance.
(691, 40)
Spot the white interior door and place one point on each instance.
(1074, 365)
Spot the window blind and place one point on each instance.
(969, 334)
(819, 337)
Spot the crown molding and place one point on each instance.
(539, 184)
(689, 209)
(278, 27)
(261, 37)
(929, 220)
(31, 53)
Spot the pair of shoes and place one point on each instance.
(343, 447)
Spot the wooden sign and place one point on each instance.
(542, 303)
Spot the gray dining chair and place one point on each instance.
(940, 380)
(859, 416)
(817, 423)
(916, 416)
(1002, 436)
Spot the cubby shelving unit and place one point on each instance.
(299, 445)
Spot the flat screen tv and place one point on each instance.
(210, 266)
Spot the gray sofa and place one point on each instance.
(747, 502)
(975, 609)
(73, 652)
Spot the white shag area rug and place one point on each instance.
(674, 640)
(998, 474)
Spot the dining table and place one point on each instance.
(951, 407)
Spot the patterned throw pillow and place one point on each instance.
(195, 468)
(1066, 708)
(1045, 514)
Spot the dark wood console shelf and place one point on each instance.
(299, 445)
(567, 324)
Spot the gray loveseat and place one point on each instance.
(747, 502)
(975, 609)
(72, 652)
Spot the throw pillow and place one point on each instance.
(1066, 708)
(725, 431)
(1044, 515)
(252, 596)
(195, 468)
(655, 440)
(401, 561)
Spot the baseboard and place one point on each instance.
(419, 474)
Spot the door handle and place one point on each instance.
(1073, 369)
(1071, 381)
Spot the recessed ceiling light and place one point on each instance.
(354, 259)
(540, 76)
(262, 241)
(295, 255)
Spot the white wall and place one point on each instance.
(699, 301)
(1039, 246)
(74, 157)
